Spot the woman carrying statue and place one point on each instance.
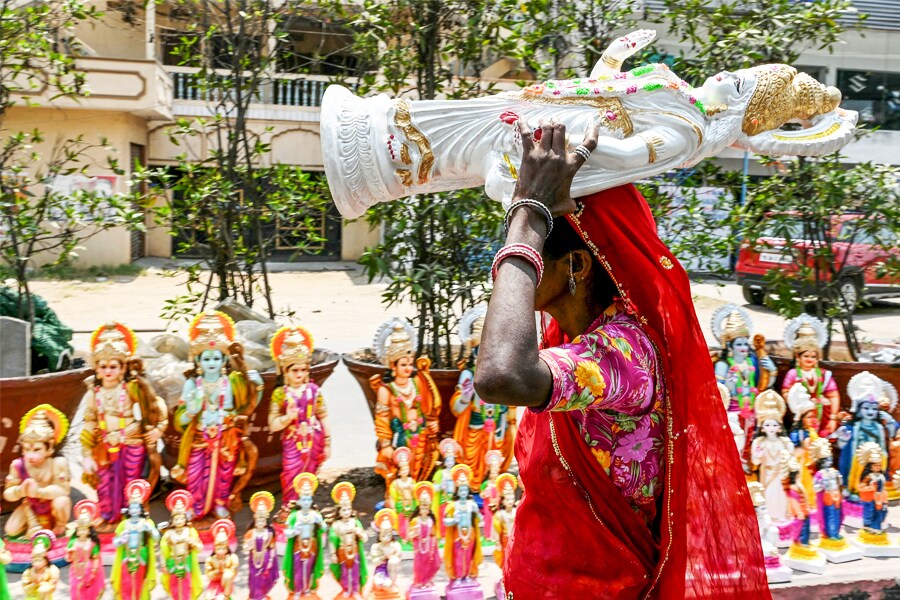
(480, 427)
(623, 427)
(744, 370)
(770, 452)
(218, 396)
(805, 336)
(407, 404)
(297, 409)
(123, 421)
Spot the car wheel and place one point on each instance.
(848, 289)
(753, 296)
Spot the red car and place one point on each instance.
(860, 277)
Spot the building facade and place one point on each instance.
(137, 90)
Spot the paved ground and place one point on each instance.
(342, 310)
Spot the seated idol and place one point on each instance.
(650, 121)
(38, 481)
(39, 580)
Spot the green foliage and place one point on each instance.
(225, 204)
(437, 248)
(736, 34)
(560, 39)
(821, 213)
(38, 215)
(437, 253)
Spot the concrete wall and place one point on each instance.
(120, 129)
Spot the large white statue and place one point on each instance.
(378, 149)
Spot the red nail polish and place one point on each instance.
(537, 134)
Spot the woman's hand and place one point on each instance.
(548, 167)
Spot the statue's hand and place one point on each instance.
(627, 45)
(844, 434)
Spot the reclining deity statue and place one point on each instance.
(650, 121)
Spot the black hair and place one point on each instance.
(563, 240)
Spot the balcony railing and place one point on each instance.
(284, 90)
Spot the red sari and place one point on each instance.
(575, 535)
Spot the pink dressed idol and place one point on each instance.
(86, 577)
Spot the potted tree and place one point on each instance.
(40, 220)
(224, 203)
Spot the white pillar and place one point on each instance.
(150, 30)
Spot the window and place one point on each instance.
(874, 94)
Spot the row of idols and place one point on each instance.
(145, 553)
(797, 484)
(124, 420)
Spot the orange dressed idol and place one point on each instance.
(407, 406)
(123, 420)
(216, 458)
(480, 427)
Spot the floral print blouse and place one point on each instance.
(609, 381)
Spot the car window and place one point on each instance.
(784, 229)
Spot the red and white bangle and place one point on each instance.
(522, 251)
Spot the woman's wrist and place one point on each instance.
(528, 226)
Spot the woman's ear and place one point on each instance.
(581, 265)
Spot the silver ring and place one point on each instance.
(582, 151)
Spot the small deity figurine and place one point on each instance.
(408, 404)
(734, 420)
(872, 487)
(462, 540)
(424, 535)
(222, 565)
(134, 566)
(87, 580)
(218, 397)
(386, 555)
(770, 452)
(744, 369)
(480, 427)
(400, 497)
(443, 481)
(801, 556)
(5, 559)
(490, 493)
(180, 548)
(768, 533)
(650, 122)
(297, 409)
(123, 421)
(504, 516)
(827, 483)
(864, 390)
(259, 546)
(304, 555)
(805, 336)
(39, 480)
(347, 537)
(803, 433)
(40, 579)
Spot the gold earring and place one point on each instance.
(571, 276)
